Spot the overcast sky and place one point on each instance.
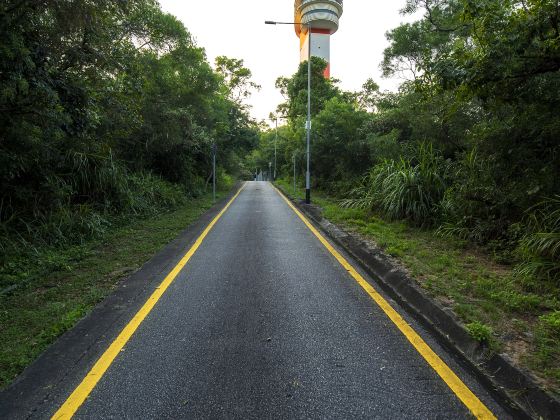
(236, 29)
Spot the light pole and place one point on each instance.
(308, 123)
(294, 161)
(275, 143)
(275, 118)
(214, 171)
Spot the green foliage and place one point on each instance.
(295, 90)
(475, 207)
(340, 152)
(548, 344)
(105, 105)
(483, 90)
(540, 247)
(480, 332)
(551, 323)
(404, 189)
(237, 78)
(134, 195)
(516, 301)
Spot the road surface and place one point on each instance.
(262, 322)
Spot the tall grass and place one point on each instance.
(474, 206)
(540, 247)
(44, 239)
(408, 189)
(87, 198)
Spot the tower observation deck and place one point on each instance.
(323, 17)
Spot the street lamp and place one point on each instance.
(275, 147)
(294, 162)
(214, 147)
(308, 123)
(275, 119)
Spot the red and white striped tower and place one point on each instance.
(323, 17)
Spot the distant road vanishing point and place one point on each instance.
(251, 313)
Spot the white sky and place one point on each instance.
(236, 29)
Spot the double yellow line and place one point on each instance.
(83, 390)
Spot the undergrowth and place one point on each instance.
(68, 224)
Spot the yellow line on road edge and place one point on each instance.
(471, 401)
(77, 398)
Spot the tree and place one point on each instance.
(237, 78)
(340, 152)
(294, 89)
(96, 95)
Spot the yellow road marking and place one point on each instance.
(471, 401)
(77, 398)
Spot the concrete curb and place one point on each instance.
(516, 388)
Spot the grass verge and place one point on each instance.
(61, 285)
(512, 315)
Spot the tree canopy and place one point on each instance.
(94, 94)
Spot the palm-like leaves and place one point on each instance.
(540, 247)
(403, 189)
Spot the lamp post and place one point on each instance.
(275, 146)
(294, 162)
(308, 123)
(214, 171)
(275, 118)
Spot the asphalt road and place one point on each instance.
(263, 322)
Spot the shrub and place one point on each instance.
(405, 189)
(540, 246)
(88, 205)
(477, 207)
(480, 332)
(147, 193)
(96, 178)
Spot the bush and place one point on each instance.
(540, 246)
(408, 189)
(480, 332)
(478, 208)
(99, 194)
(147, 193)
